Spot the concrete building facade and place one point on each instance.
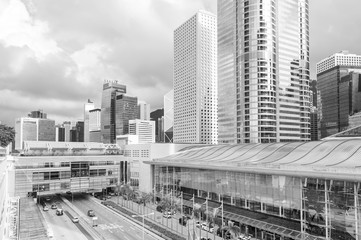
(195, 80)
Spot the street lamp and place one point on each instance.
(144, 215)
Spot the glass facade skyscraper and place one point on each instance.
(263, 71)
(110, 91)
(338, 81)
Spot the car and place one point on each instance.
(48, 199)
(75, 219)
(109, 197)
(207, 227)
(198, 224)
(91, 213)
(59, 211)
(167, 214)
(45, 208)
(53, 206)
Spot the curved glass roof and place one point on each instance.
(333, 156)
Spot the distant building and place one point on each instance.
(125, 110)
(111, 89)
(143, 110)
(77, 132)
(87, 107)
(33, 129)
(67, 128)
(339, 89)
(94, 125)
(168, 116)
(155, 116)
(195, 80)
(145, 130)
(37, 114)
(59, 133)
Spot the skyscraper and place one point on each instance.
(87, 107)
(111, 89)
(339, 87)
(263, 71)
(168, 116)
(143, 110)
(195, 80)
(126, 108)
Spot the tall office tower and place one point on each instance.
(338, 81)
(87, 107)
(195, 80)
(168, 116)
(313, 111)
(155, 116)
(94, 125)
(263, 71)
(111, 89)
(77, 132)
(143, 110)
(37, 114)
(145, 130)
(67, 128)
(126, 108)
(33, 129)
(59, 133)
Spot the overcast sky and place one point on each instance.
(54, 55)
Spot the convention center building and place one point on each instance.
(298, 190)
(57, 167)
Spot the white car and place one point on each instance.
(167, 214)
(75, 219)
(207, 227)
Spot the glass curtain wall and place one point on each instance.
(325, 208)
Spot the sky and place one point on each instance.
(55, 55)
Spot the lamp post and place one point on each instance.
(144, 215)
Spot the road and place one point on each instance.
(61, 226)
(109, 224)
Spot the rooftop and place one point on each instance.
(336, 158)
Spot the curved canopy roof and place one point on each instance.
(331, 157)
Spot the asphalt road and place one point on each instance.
(110, 225)
(61, 226)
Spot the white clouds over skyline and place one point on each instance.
(55, 55)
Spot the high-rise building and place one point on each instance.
(168, 116)
(155, 116)
(126, 108)
(145, 130)
(33, 129)
(37, 114)
(87, 107)
(67, 128)
(195, 80)
(339, 89)
(77, 132)
(59, 133)
(143, 110)
(111, 89)
(263, 71)
(94, 125)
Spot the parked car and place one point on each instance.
(207, 227)
(167, 214)
(75, 219)
(59, 211)
(45, 208)
(53, 206)
(91, 213)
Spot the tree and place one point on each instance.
(7, 135)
